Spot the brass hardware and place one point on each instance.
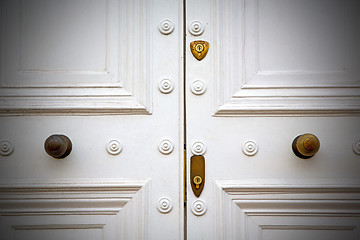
(197, 174)
(306, 145)
(197, 180)
(199, 49)
(58, 146)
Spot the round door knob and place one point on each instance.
(58, 146)
(306, 145)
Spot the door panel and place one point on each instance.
(274, 70)
(93, 71)
(75, 210)
(64, 57)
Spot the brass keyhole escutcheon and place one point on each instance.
(197, 174)
(199, 49)
(197, 180)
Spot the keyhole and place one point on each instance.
(199, 48)
(197, 180)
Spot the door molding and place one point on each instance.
(118, 207)
(248, 208)
(244, 88)
(31, 86)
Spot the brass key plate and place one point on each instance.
(199, 49)
(197, 174)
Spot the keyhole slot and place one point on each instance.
(197, 180)
(199, 48)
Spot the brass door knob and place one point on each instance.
(58, 146)
(306, 145)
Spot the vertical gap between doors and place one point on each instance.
(184, 90)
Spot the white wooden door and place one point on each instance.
(275, 69)
(108, 75)
(111, 71)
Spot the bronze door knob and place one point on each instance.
(306, 145)
(58, 146)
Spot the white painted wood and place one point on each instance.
(90, 70)
(60, 56)
(119, 209)
(249, 210)
(269, 62)
(265, 51)
(274, 70)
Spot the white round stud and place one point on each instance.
(198, 148)
(250, 148)
(164, 205)
(166, 27)
(196, 28)
(166, 86)
(113, 147)
(356, 146)
(166, 146)
(198, 207)
(198, 87)
(6, 148)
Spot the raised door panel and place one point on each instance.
(78, 57)
(296, 210)
(286, 57)
(75, 210)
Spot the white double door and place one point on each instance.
(119, 80)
